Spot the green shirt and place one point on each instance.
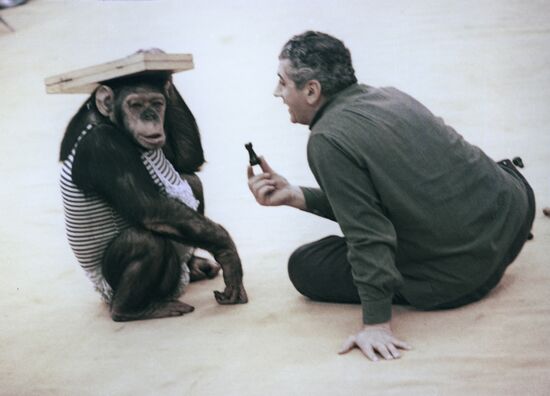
(423, 211)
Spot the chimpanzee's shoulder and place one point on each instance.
(103, 154)
(105, 140)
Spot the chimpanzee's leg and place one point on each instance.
(202, 268)
(199, 267)
(144, 272)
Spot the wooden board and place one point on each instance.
(87, 79)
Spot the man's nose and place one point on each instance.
(277, 92)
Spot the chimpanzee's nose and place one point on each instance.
(149, 115)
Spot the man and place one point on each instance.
(428, 219)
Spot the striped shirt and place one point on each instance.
(91, 223)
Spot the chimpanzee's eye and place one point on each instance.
(136, 105)
(158, 104)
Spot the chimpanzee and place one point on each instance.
(134, 208)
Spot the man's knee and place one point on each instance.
(321, 272)
(299, 270)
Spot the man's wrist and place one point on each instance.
(383, 325)
(297, 199)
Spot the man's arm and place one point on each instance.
(370, 238)
(271, 189)
(317, 202)
(370, 235)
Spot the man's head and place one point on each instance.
(313, 66)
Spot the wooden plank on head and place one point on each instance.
(85, 80)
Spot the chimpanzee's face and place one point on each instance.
(141, 112)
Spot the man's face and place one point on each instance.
(296, 99)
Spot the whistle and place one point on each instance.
(253, 158)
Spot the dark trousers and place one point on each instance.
(320, 270)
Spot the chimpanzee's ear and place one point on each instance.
(183, 146)
(168, 87)
(104, 100)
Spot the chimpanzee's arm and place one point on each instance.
(109, 164)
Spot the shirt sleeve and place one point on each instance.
(317, 202)
(370, 235)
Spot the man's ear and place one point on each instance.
(105, 100)
(313, 92)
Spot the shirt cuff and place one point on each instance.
(377, 311)
(317, 203)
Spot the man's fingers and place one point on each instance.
(393, 350)
(368, 351)
(249, 172)
(256, 187)
(264, 165)
(264, 195)
(375, 341)
(252, 176)
(261, 186)
(388, 351)
(401, 344)
(255, 179)
(383, 350)
(348, 345)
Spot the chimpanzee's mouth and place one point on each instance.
(154, 139)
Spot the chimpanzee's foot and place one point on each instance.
(160, 310)
(201, 268)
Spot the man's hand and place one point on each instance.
(376, 338)
(271, 189)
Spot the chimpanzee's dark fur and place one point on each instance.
(107, 163)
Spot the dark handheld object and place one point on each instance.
(253, 157)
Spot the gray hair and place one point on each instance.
(319, 56)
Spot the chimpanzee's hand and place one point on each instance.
(232, 295)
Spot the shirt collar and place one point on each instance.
(330, 100)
